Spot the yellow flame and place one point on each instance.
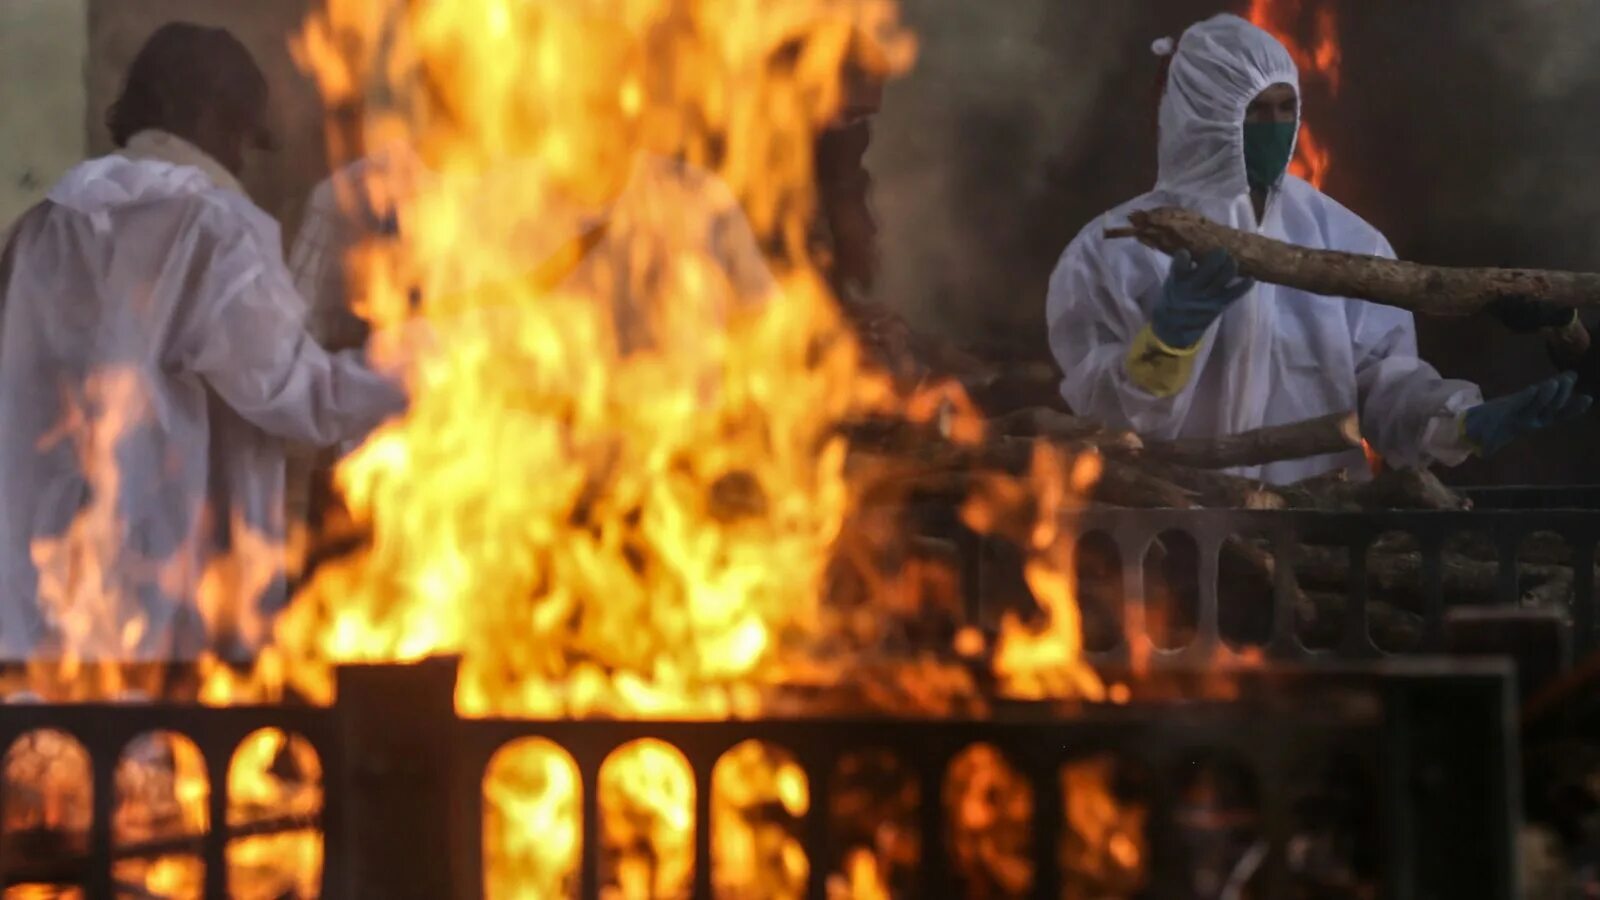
(647, 821)
(759, 798)
(275, 777)
(628, 423)
(531, 837)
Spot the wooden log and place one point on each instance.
(1322, 621)
(1397, 577)
(1055, 425)
(1391, 489)
(1297, 440)
(1432, 290)
(1122, 484)
(1212, 489)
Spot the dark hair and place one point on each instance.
(182, 72)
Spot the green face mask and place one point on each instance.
(1267, 147)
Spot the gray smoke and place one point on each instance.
(962, 150)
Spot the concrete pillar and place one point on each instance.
(43, 52)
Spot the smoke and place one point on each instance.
(969, 143)
(1548, 46)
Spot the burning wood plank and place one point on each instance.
(1432, 290)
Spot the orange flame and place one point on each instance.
(1374, 458)
(1103, 848)
(1319, 59)
(622, 481)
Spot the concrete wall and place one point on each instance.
(279, 180)
(42, 96)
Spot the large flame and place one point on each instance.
(1309, 29)
(620, 478)
(622, 483)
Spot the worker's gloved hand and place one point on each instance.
(1523, 316)
(1491, 426)
(1194, 295)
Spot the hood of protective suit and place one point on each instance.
(155, 165)
(1218, 67)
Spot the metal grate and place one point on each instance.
(1134, 531)
(405, 806)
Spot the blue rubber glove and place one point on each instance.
(1194, 295)
(1492, 425)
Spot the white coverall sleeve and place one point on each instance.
(1097, 308)
(262, 362)
(1408, 411)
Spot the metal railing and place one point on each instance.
(404, 799)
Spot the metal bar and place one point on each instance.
(1137, 644)
(1583, 595)
(704, 768)
(76, 868)
(1432, 592)
(589, 802)
(819, 767)
(1278, 825)
(398, 723)
(1043, 773)
(1284, 642)
(937, 876)
(1208, 628)
(103, 767)
(1506, 577)
(1357, 638)
(214, 843)
(472, 769)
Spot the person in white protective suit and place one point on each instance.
(1174, 347)
(153, 362)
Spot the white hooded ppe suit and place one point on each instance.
(1277, 355)
(152, 350)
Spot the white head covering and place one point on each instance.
(1219, 66)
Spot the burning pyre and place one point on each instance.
(624, 486)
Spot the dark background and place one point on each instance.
(1466, 130)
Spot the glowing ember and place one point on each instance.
(1319, 58)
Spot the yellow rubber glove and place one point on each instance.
(1158, 368)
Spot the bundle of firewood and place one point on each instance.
(1188, 474)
